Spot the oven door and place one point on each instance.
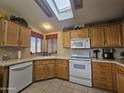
(80, 69)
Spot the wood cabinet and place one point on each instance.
(10, 34)
(97, 36)
(62, 69)
(112, 35)
(114, 77)
(13, 35)
(120, 79)
(82, 33)
(66, 39)
(4, 72)
(102, 75)
(43, 69)
(24, 37)
(122, 34)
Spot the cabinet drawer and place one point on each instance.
(63, 62)
(104, 85)
(105, 66)
(43, 62)
(103, 78)
(100, 72)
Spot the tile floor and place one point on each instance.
(60, 86)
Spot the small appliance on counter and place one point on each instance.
(95, 53)
(108, 53)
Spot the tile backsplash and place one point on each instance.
(10, 52)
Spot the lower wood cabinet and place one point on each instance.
(62, 69)
(102, 75)
(120, 79)
(43, 69)
(4, 72)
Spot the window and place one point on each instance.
(61, 8)
(51, 43)
(36, 42)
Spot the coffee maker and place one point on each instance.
(108, 53)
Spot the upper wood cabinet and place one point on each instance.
(82, 33)
(66, 39)
(122, 34)
(13, 35)
(97, 36)
(25, 37)
(112, 35)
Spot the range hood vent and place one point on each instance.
(78, 4)
(45, 7)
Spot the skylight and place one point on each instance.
(61, 8)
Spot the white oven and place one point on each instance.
(80, 71)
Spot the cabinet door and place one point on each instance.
(112, 35)
(66, 39)
(62, 69)
(97, 36)
(11, 35)
(75, 34)
(50, 70)
(1, 32)
(40, 73)
(102, 75)
(84, 33)
(122, 36)
(24, 37)
(120, 83)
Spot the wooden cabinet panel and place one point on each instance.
(66, 39)
(102, 75)
(24, 37)
(84, 33)
(62, 69)
(43, 69)
(97, 36)
(112, 35)
(120, 83)
(114, 77)
(40, 72)
(11, 37)
(4, 72)
(75, 34)
(1, 32)
(122, 35)
(50, 70)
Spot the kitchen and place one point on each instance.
(54, 46)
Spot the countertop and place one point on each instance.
(117, 61)
(22, 60)
(17, 61)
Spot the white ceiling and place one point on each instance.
(92, 11)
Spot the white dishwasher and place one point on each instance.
(20, 76)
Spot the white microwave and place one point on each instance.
(80, 43)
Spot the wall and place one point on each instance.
(26, 51)
(60, 50)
